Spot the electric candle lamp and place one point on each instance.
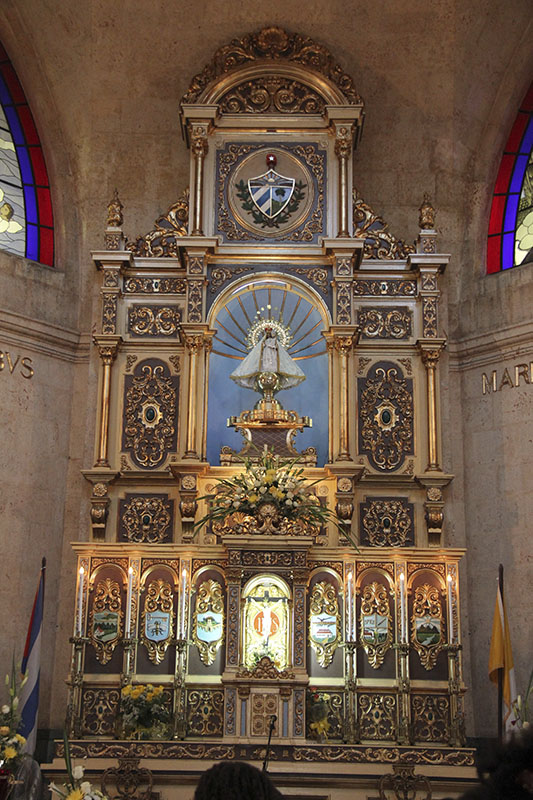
(450, 609)
(81, 578)
(349, 608)
(403, 620)
(129, 602)
(183, 625)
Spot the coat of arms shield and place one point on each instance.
(157, 625)
(271, 192)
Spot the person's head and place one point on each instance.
(235, 780)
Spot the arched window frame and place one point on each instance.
(39, 220)
(507, 189)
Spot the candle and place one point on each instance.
(183, 625)
(129, 602)
(79, 622)
(450, 609)
(403, 616)
(349, 607)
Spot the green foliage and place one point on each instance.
(243, 193)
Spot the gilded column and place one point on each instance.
(430, 356)
(344, 345)
(194, 343)
(330, 344)
(108, 348)
(208, 345)
(343, 151)
(200, 149)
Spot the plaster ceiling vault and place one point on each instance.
(441, 84)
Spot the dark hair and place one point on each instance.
(235, 780)
(504, 768)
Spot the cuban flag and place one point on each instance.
(31, 669)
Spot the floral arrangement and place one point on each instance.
(269, 487)
(76, 788)
(521, 706)
(318, 709)
(11, 742)
(144, 710)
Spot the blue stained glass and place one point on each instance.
(527, 141)
(518, 173)
(5, 97)
(31, 204)
(508, 250)
(510, 212)
(14, 124)
(32, 242)
(25, 165)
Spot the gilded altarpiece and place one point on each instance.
(270, 276)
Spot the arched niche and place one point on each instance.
(208, 621)
(231, 316)
(266, 621)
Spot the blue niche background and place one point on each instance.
(273, 299)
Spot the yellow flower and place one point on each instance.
(253, 498)
(126, 690)
(20, 738)
(158, 690)
(4, 730)
(149, 696)
(76, 794)
(10, 753)
(321, 727)
(270, 475)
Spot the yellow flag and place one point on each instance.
(501, 657)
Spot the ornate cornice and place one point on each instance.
(277, 46)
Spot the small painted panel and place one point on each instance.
(208, 621)
(324, 622)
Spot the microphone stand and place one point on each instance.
(272, 723)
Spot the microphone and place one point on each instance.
(273, 720)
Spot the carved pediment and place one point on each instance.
(266, 669)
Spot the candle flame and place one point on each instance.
(184, 574)
(449, 579)
(350, 576)
(82, 571)
(402, 576)
(130, 570)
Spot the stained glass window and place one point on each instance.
(26, 219)
(510, 240)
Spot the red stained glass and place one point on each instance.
(46, 246)
(39, 169)
(45, 207)
(494, 254)
(28, 125)
(13, 83)
(527, 105)
(502, 181)
(496, 213)
(513, 142)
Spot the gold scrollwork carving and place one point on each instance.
(109, 312)
(146, 519)
(324, 622)
(219, 276)
(149, 414)
(157, 621)
(162, 241)
(318, 276)
(208, 621)
(274, 44)
(205, 712)
(344, 303)
(377, 323)
(153, 320)
(194, 301)
(272, 94)
(376, 623)
(404, 783)
(114, 212)
(141, 285)
(431, 717)
(379, 242)
(427, 624)
(429, 317)
(385, 288)
(106, 619)
(99, 710)
(426, 218)
(377, 715)
(386, 416)
(387, 522)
